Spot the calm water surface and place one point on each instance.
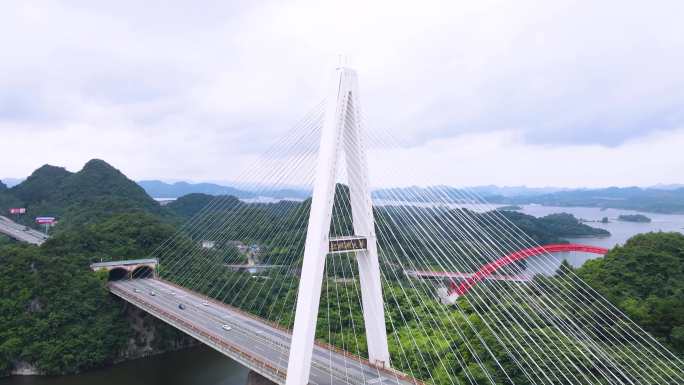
(199, 366)
(620, 232)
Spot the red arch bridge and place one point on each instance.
(486, 271)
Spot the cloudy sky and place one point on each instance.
(562, 93)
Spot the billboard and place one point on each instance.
(17, 211)
(348, 244)
(45, 220)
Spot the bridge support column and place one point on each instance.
(342, 130)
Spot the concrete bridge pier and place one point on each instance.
(254, 378)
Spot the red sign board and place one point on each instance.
(17, 211)
(45, 220)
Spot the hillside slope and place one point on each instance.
(98, 190)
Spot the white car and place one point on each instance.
(227, 328)
(136, 290)
(153, 293)
(205, 303)
(172, 293)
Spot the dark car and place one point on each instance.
(181, 306)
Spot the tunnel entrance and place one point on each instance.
(143, 272)
(118, 274)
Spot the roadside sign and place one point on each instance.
(21, 210)
(45, 220)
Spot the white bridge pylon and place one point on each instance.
(342, 131)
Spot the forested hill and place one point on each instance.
(645, 279)
(77, 198)
(55, 313)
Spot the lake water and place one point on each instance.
(620, 232)
(198, 366)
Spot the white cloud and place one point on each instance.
(503, 158)
(185, 89)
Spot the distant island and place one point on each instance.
(634, 218)
(509, 208)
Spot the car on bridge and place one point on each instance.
(181, 306)
(227, 328)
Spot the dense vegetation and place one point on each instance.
(634, 218)
(57, 314)
(645, 278)
(551, 228)
(54, 313)
(652, 296)
(77, 199)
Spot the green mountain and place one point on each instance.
(188, 205)
(98, 190)
(645, 279)
(41, 185)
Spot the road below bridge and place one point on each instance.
(254, 342)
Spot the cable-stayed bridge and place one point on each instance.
(335, 305)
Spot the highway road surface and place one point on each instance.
(21, 232)
(256, 344)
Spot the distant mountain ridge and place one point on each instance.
(159, 189)
(631, 198)
(669, 201)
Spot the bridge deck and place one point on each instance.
(253, 342)
(21, 232)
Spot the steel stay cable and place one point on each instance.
(337, 222)
(516, 311)
(349, 214)
(241, 209)
(496, 323)
(640, 332)
(240, 206)
(277, 146)
(408, 328)
(601, 299)
(600, 350)
(505, 345)
(512, 317)
(576, 327)
(349, 145)
(244, 209)
(452, 321)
